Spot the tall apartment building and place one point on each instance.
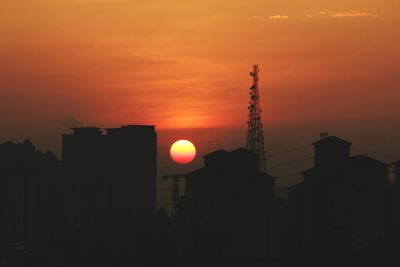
(109, 170)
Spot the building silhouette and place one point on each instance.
(110, 196)
(229, 214)
(110, 170)
(28, 194)
(397, 209)
(96, 207)
(343, 208)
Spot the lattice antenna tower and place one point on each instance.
(255, 133)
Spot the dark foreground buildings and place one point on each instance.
(97, 207)
(111, 196)
(343, 210)
(229, 214)
(29, 182)
(110, 170)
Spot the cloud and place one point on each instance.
(348, 14)
(277, 16)
(352, 13)
(309, 16)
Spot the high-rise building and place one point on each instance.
(343, 206)
(28, 193)
(109, 170)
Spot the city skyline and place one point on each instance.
(296, 164)
(97, 206)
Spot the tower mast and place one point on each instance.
(255, 134)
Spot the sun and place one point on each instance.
(183, 151)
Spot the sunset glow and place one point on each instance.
(181, 67)
(185, 64)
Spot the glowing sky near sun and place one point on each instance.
(185, 64)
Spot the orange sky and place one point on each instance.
(185, 64)
(328, 65)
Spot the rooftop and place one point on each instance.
(333, 140)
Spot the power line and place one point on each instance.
(291, 162)
(367, 150)
(289, 151)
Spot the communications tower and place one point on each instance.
(255, 133)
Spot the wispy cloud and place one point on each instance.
(277, 16)
(348, 14)
(352, 13)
